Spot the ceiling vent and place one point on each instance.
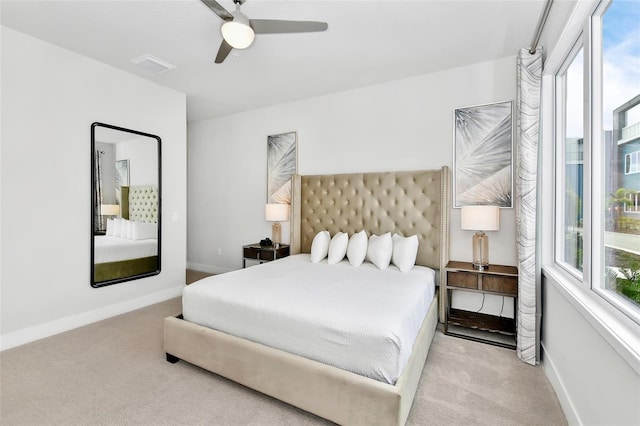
(152, 64)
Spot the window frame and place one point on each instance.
(632, 163)
(617, 329)
(560, 89)
(589, 40)
(598, 156)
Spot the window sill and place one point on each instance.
(622, 333)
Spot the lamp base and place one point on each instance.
(276, 233)
(480, 250)
(480, 267)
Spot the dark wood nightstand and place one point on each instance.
(497, 280)
(263, 253)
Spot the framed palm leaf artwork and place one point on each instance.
(483, 155)
(282, 160)
(122, 173)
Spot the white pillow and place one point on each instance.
(379, 250)
(110, 227)
(320, 246)
(124, 228)
(114, 227)
(357, 250)
(144, 231)
(338, 247)
(405, 251)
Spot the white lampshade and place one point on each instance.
(238, 33)
(480, 218)
(276, 212)
(109, 210)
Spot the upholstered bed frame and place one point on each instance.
(409, 203)
(144, 203)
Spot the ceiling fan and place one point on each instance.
(238, 31)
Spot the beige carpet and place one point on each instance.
(114, 373)
(193, 276)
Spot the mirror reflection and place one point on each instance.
(125, 206)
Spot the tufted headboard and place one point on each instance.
(143, 203)
(412, 202)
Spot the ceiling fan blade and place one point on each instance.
(223, 52)
(218, 10)
(274, 26)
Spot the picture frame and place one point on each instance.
(282, 164)
(483, 155)
(122, 179)
(122, 173)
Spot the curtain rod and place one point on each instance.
(541, 22)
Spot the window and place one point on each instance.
(619, 30)
(598, 157)
(571, 84)
(632, 163)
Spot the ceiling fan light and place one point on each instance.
(238, 33)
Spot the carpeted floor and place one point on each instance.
(114, 373)
(193, 276)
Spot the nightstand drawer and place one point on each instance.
(268, 254)
(500, 284)
(462, 279)
(251, 252)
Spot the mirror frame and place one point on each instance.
(93, 177)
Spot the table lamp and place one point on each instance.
(480, 219)
(276, 213)
(109, 210)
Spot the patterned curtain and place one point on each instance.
(527, 132)
(97, 196)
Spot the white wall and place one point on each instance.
(50, 97)
(401, 125)
(142, 153)
(594, 384)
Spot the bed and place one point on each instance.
(118, 256)
(409, 203)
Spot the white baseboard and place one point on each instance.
(37, 332)
(212, 269)
(558, 386)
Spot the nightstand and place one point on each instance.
(497, 280)
(263, 253)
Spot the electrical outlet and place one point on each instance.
(219, 251)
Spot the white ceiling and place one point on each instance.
(367, 42)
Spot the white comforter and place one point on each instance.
(114, 249)
(359, 319)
